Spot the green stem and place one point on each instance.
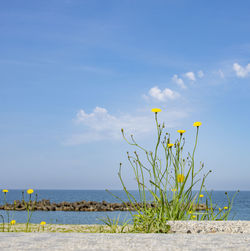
(3, 221)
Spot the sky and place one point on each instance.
(74, 72)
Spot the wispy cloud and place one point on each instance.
(179, 81)
(190, 75)
(241, 71)
(101, 125)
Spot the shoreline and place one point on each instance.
(177, 227)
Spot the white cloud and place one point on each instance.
(179, 81)
(163, 95)
(200, 74)
(190, 75)
(101, 125)
(241, 71)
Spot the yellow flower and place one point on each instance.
(43, 223)
(219, 209)
(201, 195)
(170, 145)
(194, 216)
(30, 191)
(190, 212)
(180, 178)
(197, 124)
(173, 189)
(5, 191)
(156, 110)
(225, 208)
(181, 131)
(13, 222)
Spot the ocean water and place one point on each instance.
(240, 210)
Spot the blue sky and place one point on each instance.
(72, 73)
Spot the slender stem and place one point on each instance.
(3, 221)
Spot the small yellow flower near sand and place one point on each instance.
(13, 222)
(225, 208)
(193, 216)
(170, 145)
(197, 124)
(173, 189)
(156, 110)
(180, 178)
(30, 191)
(201, 195)
(181, 131)
(5, 191)
(43, 223)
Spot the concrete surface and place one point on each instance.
(117, 242)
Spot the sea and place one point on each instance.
(240, 209)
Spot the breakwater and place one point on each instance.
(85, 206)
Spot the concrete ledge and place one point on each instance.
(122, 242)
(205, 227)
(186, 235)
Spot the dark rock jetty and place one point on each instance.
(90, 206)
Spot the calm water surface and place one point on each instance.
(240, 210)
